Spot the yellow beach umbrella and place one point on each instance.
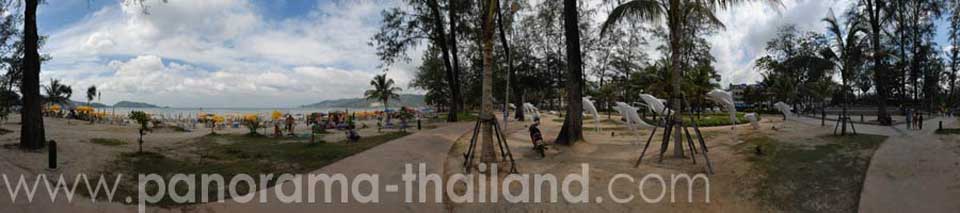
(276, 115)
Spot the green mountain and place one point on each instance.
(84, 103)
(408, 100)
(131, 104)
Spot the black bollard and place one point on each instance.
(823, 118)
(52, 157)
(418, 124)
(861, 118)
(941, 126)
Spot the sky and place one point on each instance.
(287, 53)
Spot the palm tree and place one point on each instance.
(489, 154)
(91, 93)
(58, 93)
(847, 55)
(383, 90)
(679, 16)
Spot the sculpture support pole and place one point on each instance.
(733, 128)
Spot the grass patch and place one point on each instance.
(812, 178)
(108, 141)
(231, 155)
(947, 131)
(461, 116)
(718, 119)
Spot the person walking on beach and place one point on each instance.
(290, 123)
(909, 114)
(276, 129)
(920, 121)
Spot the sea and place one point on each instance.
(175, 112)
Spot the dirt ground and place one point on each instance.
(612, 151)
(77, 155)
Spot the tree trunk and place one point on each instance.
(31, 132)
(572, 130)
(878, 74)
(441, 40)
(454, 51)
(512, 73)
(675, 62)
(486, 115)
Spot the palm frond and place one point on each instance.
(643, 10)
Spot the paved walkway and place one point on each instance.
(913, 171)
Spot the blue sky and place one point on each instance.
(282, 53)
(216, 53)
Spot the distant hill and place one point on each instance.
(131, 104)
(405, 100)
(84, 103)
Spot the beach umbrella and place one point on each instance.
(276, 115)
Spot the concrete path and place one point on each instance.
(914, 171)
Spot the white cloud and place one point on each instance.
(749, 26)
(225, 53)
(221, 53)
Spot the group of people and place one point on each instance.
(914, 120)
(289, 123)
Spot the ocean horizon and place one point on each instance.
(173, 112)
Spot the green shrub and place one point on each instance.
(143, 119)
(108, 141)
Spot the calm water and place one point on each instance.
(191, 112)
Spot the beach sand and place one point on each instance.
(77, 155)
(731, 187)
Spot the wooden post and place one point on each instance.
(52, 155)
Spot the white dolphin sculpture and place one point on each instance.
(531, 110)
(655, 104)
(726, 100)
(630, 114)
(784, 108)
(752, 117)
(590, 108)
(633, 120)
